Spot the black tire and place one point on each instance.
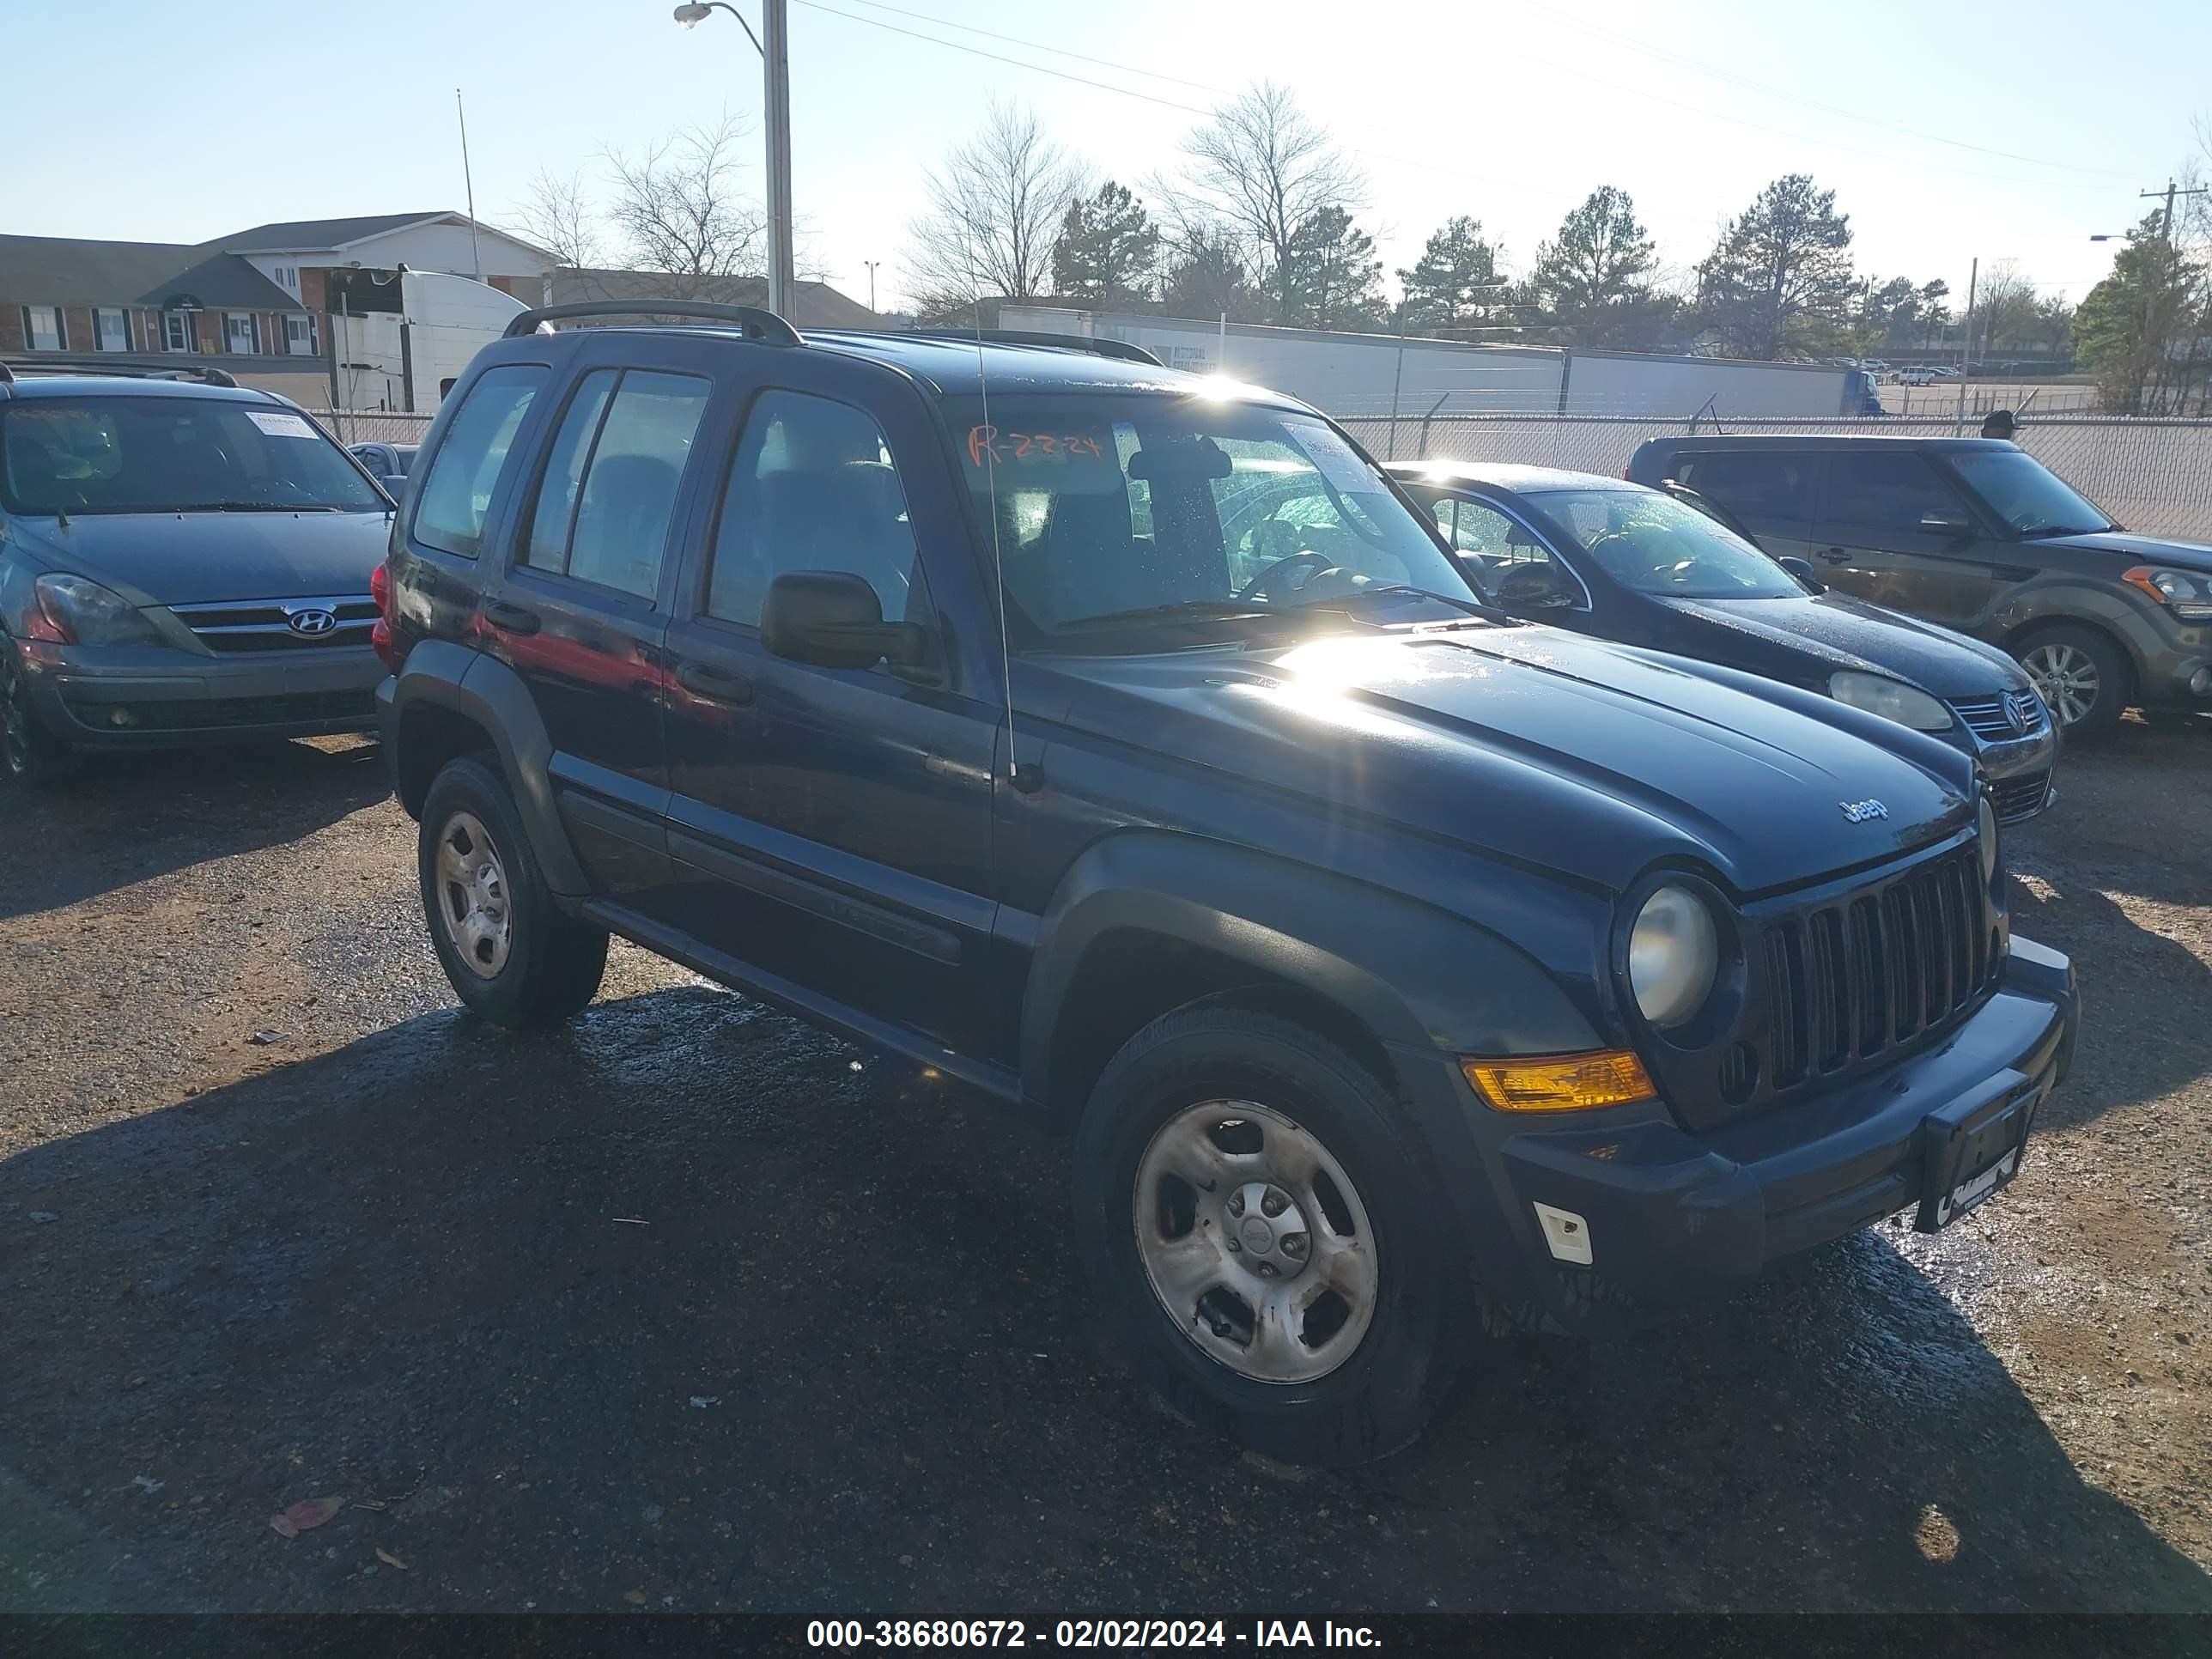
(552, 962)
(2066, 646)
(1424, 1307)
(30, 756)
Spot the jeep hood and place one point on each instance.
(193, 558)
(1558, 752)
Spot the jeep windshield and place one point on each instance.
(120, 454)
(1140, 512)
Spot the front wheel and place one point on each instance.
(29, 753)
(1268, 1245)
(2080, 675)
(511, 953)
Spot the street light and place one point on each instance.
(775, 74)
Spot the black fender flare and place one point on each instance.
(1417, 976)
(492, 696)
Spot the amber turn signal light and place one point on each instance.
(1561, 1083)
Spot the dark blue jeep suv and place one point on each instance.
(1125, 745)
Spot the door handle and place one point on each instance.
(1836, 555)
(715, 684)
(512, 617)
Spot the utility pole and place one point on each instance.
(872, 264)
(775, 48)
(1966, 344)
(2151, 350)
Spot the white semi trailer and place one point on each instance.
(1367, 376)
(400, 345)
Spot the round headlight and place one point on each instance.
(1673, 954)
(1894, 700)
(1986, 828)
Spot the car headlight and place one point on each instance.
(1894, 700)
(1986, 828)
(2184, 593)
(82, 612)
(1673, 955)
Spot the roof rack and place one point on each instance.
(1096, 347)
(764, 326)
(15, 368)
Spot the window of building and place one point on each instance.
(43, 328)
(242, 332)
(456, 497)
(111, 328)
(812, 487)
(300, 339)
(179, 332)
(287, 278)
(628, 440)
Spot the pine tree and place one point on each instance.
(1330, 276)
(1108, 251)
(1592, 281)
(1778, 282)
(1453, 282)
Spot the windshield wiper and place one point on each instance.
(1403, 590)
(1182, 611)
(260, 507)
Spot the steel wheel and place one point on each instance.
(1256, 1242)
(472, 896)
(2066, 677)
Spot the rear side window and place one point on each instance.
(1760, 483)
(1887, 490)
(456, 495)
(608, 498)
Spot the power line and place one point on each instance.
(1701, 68)
(1039, 45)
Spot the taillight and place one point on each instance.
(380, 632)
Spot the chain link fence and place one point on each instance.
(2152, 476)
(351, 426)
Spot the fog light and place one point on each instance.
(2201, 682)
(1566, 1235)
(121, 715)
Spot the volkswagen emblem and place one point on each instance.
(312, 623)
(2019, 708)
(1863, 811)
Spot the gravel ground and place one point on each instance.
(691, 1306)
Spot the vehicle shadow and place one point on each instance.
(689, 1306)
(58, 846)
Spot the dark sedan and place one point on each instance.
(1617, 559)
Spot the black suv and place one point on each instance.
(1126, 746)
(1978, 535)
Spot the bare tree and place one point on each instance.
(1263, 168)
(996, 206)
(678, 210)
(556, 215)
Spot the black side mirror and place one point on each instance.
(833, 619)
(1954, 525)
(1803, 573)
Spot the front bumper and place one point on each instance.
(130, 698)
(1666, 1214)
(2018, 770)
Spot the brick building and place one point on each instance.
(255, 304)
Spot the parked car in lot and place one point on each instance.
(1919, 374)
(1978, 535)
(1629, 563)
(1132, 749)
(386, 463)
(180, 563)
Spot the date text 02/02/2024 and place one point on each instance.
(1082, 1633)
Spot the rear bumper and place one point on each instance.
(131, 698)
(1666, 1214)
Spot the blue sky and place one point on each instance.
(2055, 115)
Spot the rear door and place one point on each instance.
(581, 609)
(1775, 491)
(834, 826)
(1876, 536)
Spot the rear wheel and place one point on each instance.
(2082, 676)
(511, 953)
(1271, 1250)
(29, 753)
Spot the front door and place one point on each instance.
(833, 826)
(1895, 530)
(581, 613)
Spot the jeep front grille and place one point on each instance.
(237, 625)
(1851, 980)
